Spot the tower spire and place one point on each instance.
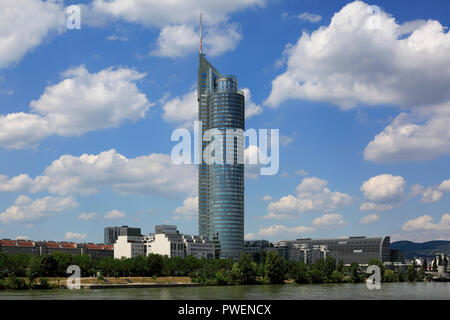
(201, 35)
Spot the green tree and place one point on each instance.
(340, 266)
(354, 273)
(34, 268)
(84, 262)
(154, 265)
(275, 268)
(389, 276)
(314, 275)
(337, 277)
(300, 273)
(246, 269)
(411, 274)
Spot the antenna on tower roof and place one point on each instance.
(201, 35)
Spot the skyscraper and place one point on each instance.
(221, 186)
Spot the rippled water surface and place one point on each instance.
(425, 290)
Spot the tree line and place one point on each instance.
(266, 267)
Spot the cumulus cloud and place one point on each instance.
(329, 220)
(24, 24)
(179, 40)
(404, 65)
(81, 103)
(410, 137)
(425, 228)
(371, 218)
(278, 230)
(182, 109)
(114, 214)
(312, 196)
(383, 192)
(73, 235)
(251, 108)
(188, 210)
(87, 174)
(178, 22)
(88, 216)
(27, 210)
(445, 186)
(426, 222)
(432, 193)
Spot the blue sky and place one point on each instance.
(360, 96)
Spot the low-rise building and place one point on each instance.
(48, 247)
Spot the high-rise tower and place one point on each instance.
(221, 186)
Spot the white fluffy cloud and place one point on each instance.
(431, 194)
(383, 192)
(251, 108)
(24, 24)
(371, 218)
(27, 210)
(404, 65)
(312, 196)
(80, 103)
(278, 230)
(412, 137)
(178, 22)
(445, 186)
(188, 210)
(179, 40)
(182, 109)
(425, 228)
(87, 174)
(115, 214)
(329, 220)
(426, 222)
(75, 236)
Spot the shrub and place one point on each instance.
(14, 283)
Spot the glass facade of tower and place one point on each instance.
(221, 186)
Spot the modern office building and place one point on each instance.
(221, 186)
(112, 233)
(353, 249)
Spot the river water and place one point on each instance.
(423, 290)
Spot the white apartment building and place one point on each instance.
(169, 242)
(129, 247)
(166, 241)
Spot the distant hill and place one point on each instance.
(424, 250)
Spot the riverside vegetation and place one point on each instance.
(21, 271)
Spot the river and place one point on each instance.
(403, 291)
